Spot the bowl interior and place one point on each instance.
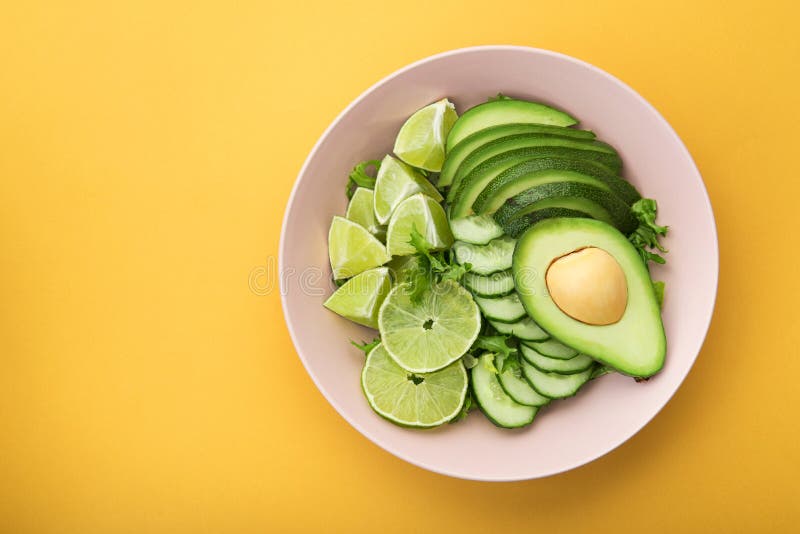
(606, 412)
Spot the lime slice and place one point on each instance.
(421, 139)
(416, 400)
(433, 333)
(352, 249)
(427, 216)
(395, 182)
(361, 211)
(360, 298)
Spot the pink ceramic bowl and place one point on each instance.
(608, 411)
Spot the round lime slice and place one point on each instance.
(352, 249)
(422, 138)
(360, 298)
(361, 211)
(424, 214)
(395, 182)
(408, 399)
(432, 333)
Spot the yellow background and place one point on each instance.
(147, 152)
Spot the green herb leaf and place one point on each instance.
(469, 404)
(469, 360)
(366, 346)
(500, 96)
(646, 236)
(510, 362)
(494, 344)
(488, 362)
(434, 266)
(658, 287)
(360, 178)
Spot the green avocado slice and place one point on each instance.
(618, 210)
(636, 344)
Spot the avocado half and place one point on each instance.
(635, 344)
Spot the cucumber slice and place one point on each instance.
(552, 349)
(515, 385)
(554, 385)
(576, 364)
(490, 286)
(494, 402)
(506, 309)
(526, 329)
(491, 258)
(478, 230)
(467, 145)
(504, 111)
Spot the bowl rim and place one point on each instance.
(282, 244)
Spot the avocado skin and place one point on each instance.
(617, 208)
(619, 186)
(517, 226)
(636, 344)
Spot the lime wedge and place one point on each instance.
(433, 333)
(416, 400)
(422, 138)
(427, 216)
(360, 298)
(352, 249)
(361, 211)
(395, 182)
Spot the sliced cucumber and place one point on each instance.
(553, 349)
(526, 329)
(576, 364)
(477, 229)
(554, 385)
(494, 402)
(504, 111)
(506, 309)
(490, 286)
(518, 388)
(491, 258)
(465, 147)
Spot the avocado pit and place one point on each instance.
(588, 285)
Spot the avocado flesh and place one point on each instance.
(619, 211)
(588, 149)
(504, 111)
(474, 141)
(636, 344)
(555, 207)
(516, 180)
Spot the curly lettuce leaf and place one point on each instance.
(646, 237)
(359, 177)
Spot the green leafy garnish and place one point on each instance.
(469, 360)
(360, 178)
(658, 287)
(434, 267)
(366, 346)
(645, 237)
(469, 404)
(493, 344)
